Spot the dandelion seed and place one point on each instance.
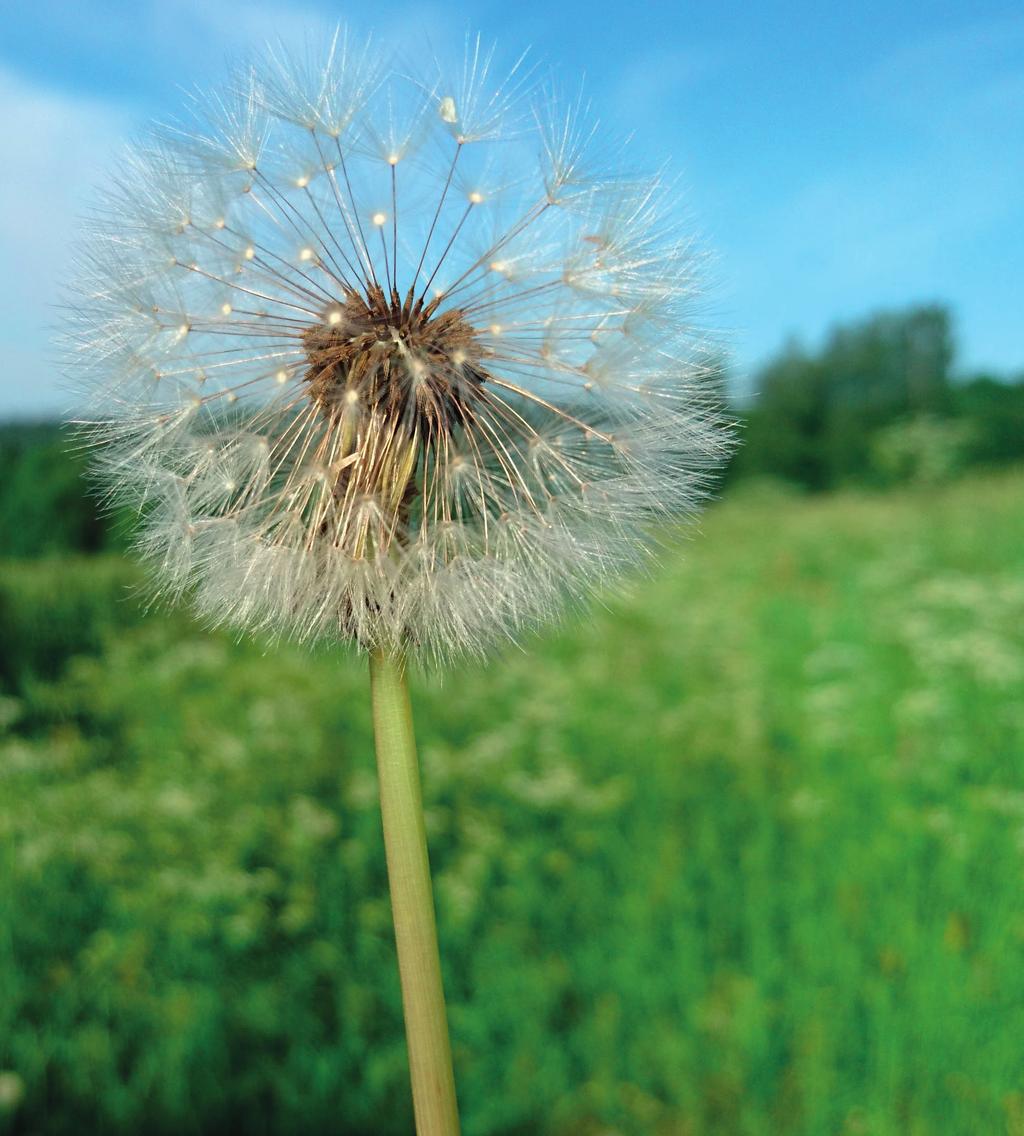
(443, 418)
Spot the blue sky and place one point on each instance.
(836, 158)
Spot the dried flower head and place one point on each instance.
(391, 359)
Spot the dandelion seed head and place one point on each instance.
(418, 405)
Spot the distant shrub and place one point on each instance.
(995, 411)
(923, 451)
(53, 611)
(879, 402)
(46, 507)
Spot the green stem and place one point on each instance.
(412, 903)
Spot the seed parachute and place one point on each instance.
(392, 359)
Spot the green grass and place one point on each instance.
(741, 854)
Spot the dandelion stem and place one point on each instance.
(412, 904)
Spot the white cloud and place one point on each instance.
(52, 150)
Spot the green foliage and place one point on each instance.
(740, 856)
(45, 505)
(65, 607)
(784, 433)
(995, 411)
(877, 404)
(925, 450)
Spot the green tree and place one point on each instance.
(815, 415)
(995, 410)
(45, 503)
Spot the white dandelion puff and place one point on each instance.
(419, 404)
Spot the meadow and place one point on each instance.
(740, 854)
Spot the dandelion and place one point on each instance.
(395, 361)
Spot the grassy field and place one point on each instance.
(742, 853)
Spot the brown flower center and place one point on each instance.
(418, 369)
(393, 380)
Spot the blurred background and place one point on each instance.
(741, 852)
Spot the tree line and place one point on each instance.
(881, 402)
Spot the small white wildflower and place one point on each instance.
(415, 404)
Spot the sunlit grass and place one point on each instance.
(742, 854)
